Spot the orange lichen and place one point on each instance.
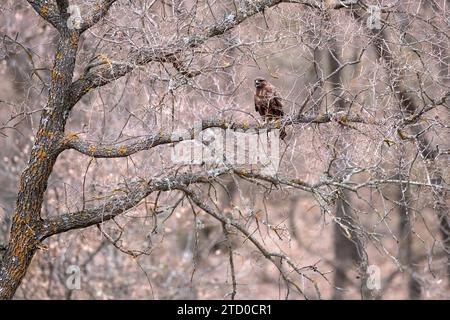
(402, 135)
(55, 75)
(29, 232)
(277, 124)
(71, 136)
(41, 132)
(122, 150)
(44, 10)
(74, 39)
(41, 154)
(104, 58)
(298, 181)
(32, 168)
(87, 89)
(388, 141)
(343, 119)
(91, 149)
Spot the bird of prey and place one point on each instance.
(268, 102)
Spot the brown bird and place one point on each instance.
(268, 102)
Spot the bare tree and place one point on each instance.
(98, 92)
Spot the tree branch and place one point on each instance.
(100, 12)
(125, 149)
(62, 6)
(270, 256)
(167, 53)
(49, 12)
(128, 198)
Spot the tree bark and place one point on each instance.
(26, 229)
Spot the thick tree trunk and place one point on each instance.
(26, 229)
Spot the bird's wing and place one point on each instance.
(276, 101)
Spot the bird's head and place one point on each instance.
(260, 82)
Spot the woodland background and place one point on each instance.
(363, 180)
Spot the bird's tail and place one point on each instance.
(282, 133)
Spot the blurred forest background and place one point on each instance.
(359, 207)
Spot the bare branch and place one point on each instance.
(271, 256)
(167, 53)
(49, 12)
(101, 10)
(120, 202)
(125, 149)
(62, 6)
